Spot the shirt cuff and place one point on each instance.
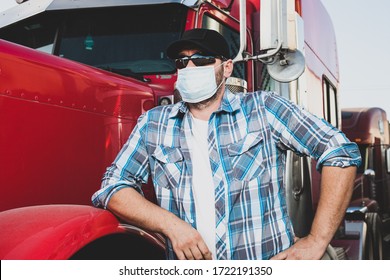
(345, 155)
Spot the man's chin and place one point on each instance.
(204, 103)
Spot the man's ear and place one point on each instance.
(228, 68)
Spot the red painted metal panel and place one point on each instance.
(52, 232)
(62, 124)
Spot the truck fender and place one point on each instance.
(73, 231)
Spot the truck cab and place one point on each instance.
(369, 128)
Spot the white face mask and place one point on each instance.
(197, 84)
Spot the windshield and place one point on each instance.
(127, 40)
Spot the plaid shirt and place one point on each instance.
(248, 139)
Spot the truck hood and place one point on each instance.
(70, 84)
(59, 231)
(52, 231)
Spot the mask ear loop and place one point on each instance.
(220, 64)
(219, 86)
(224, 78)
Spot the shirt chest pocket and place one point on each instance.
(168, 166)
(247, 157)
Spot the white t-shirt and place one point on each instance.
(203, 186)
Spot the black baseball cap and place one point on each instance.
(210, 42)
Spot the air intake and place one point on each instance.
(236, 85)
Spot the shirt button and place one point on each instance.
(192, 221)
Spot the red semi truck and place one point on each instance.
(76, 75)
(369, 128)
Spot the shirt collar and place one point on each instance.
(230, 103)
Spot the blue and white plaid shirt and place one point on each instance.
(248, 139)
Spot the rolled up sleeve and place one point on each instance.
(340, 152)
(306, 134)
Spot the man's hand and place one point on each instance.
(306, 248)
(187, 242)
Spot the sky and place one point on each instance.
(363, 40)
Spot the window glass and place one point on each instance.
(233, 39)
(330, 103)
(37, 32)
(130, 41)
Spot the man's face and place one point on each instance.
(219, 72)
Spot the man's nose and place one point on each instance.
(190, 64)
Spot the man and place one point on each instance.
(217, 164)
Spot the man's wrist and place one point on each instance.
(168, 223)
(319, 241)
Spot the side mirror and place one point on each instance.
(281, 29)
(280, 39)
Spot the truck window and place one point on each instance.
(37, 32)
(330, 103)
(233, 39)
(128, 40)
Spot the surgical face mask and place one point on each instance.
(197, 84)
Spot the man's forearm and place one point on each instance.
(132, 207)
(336, 190)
